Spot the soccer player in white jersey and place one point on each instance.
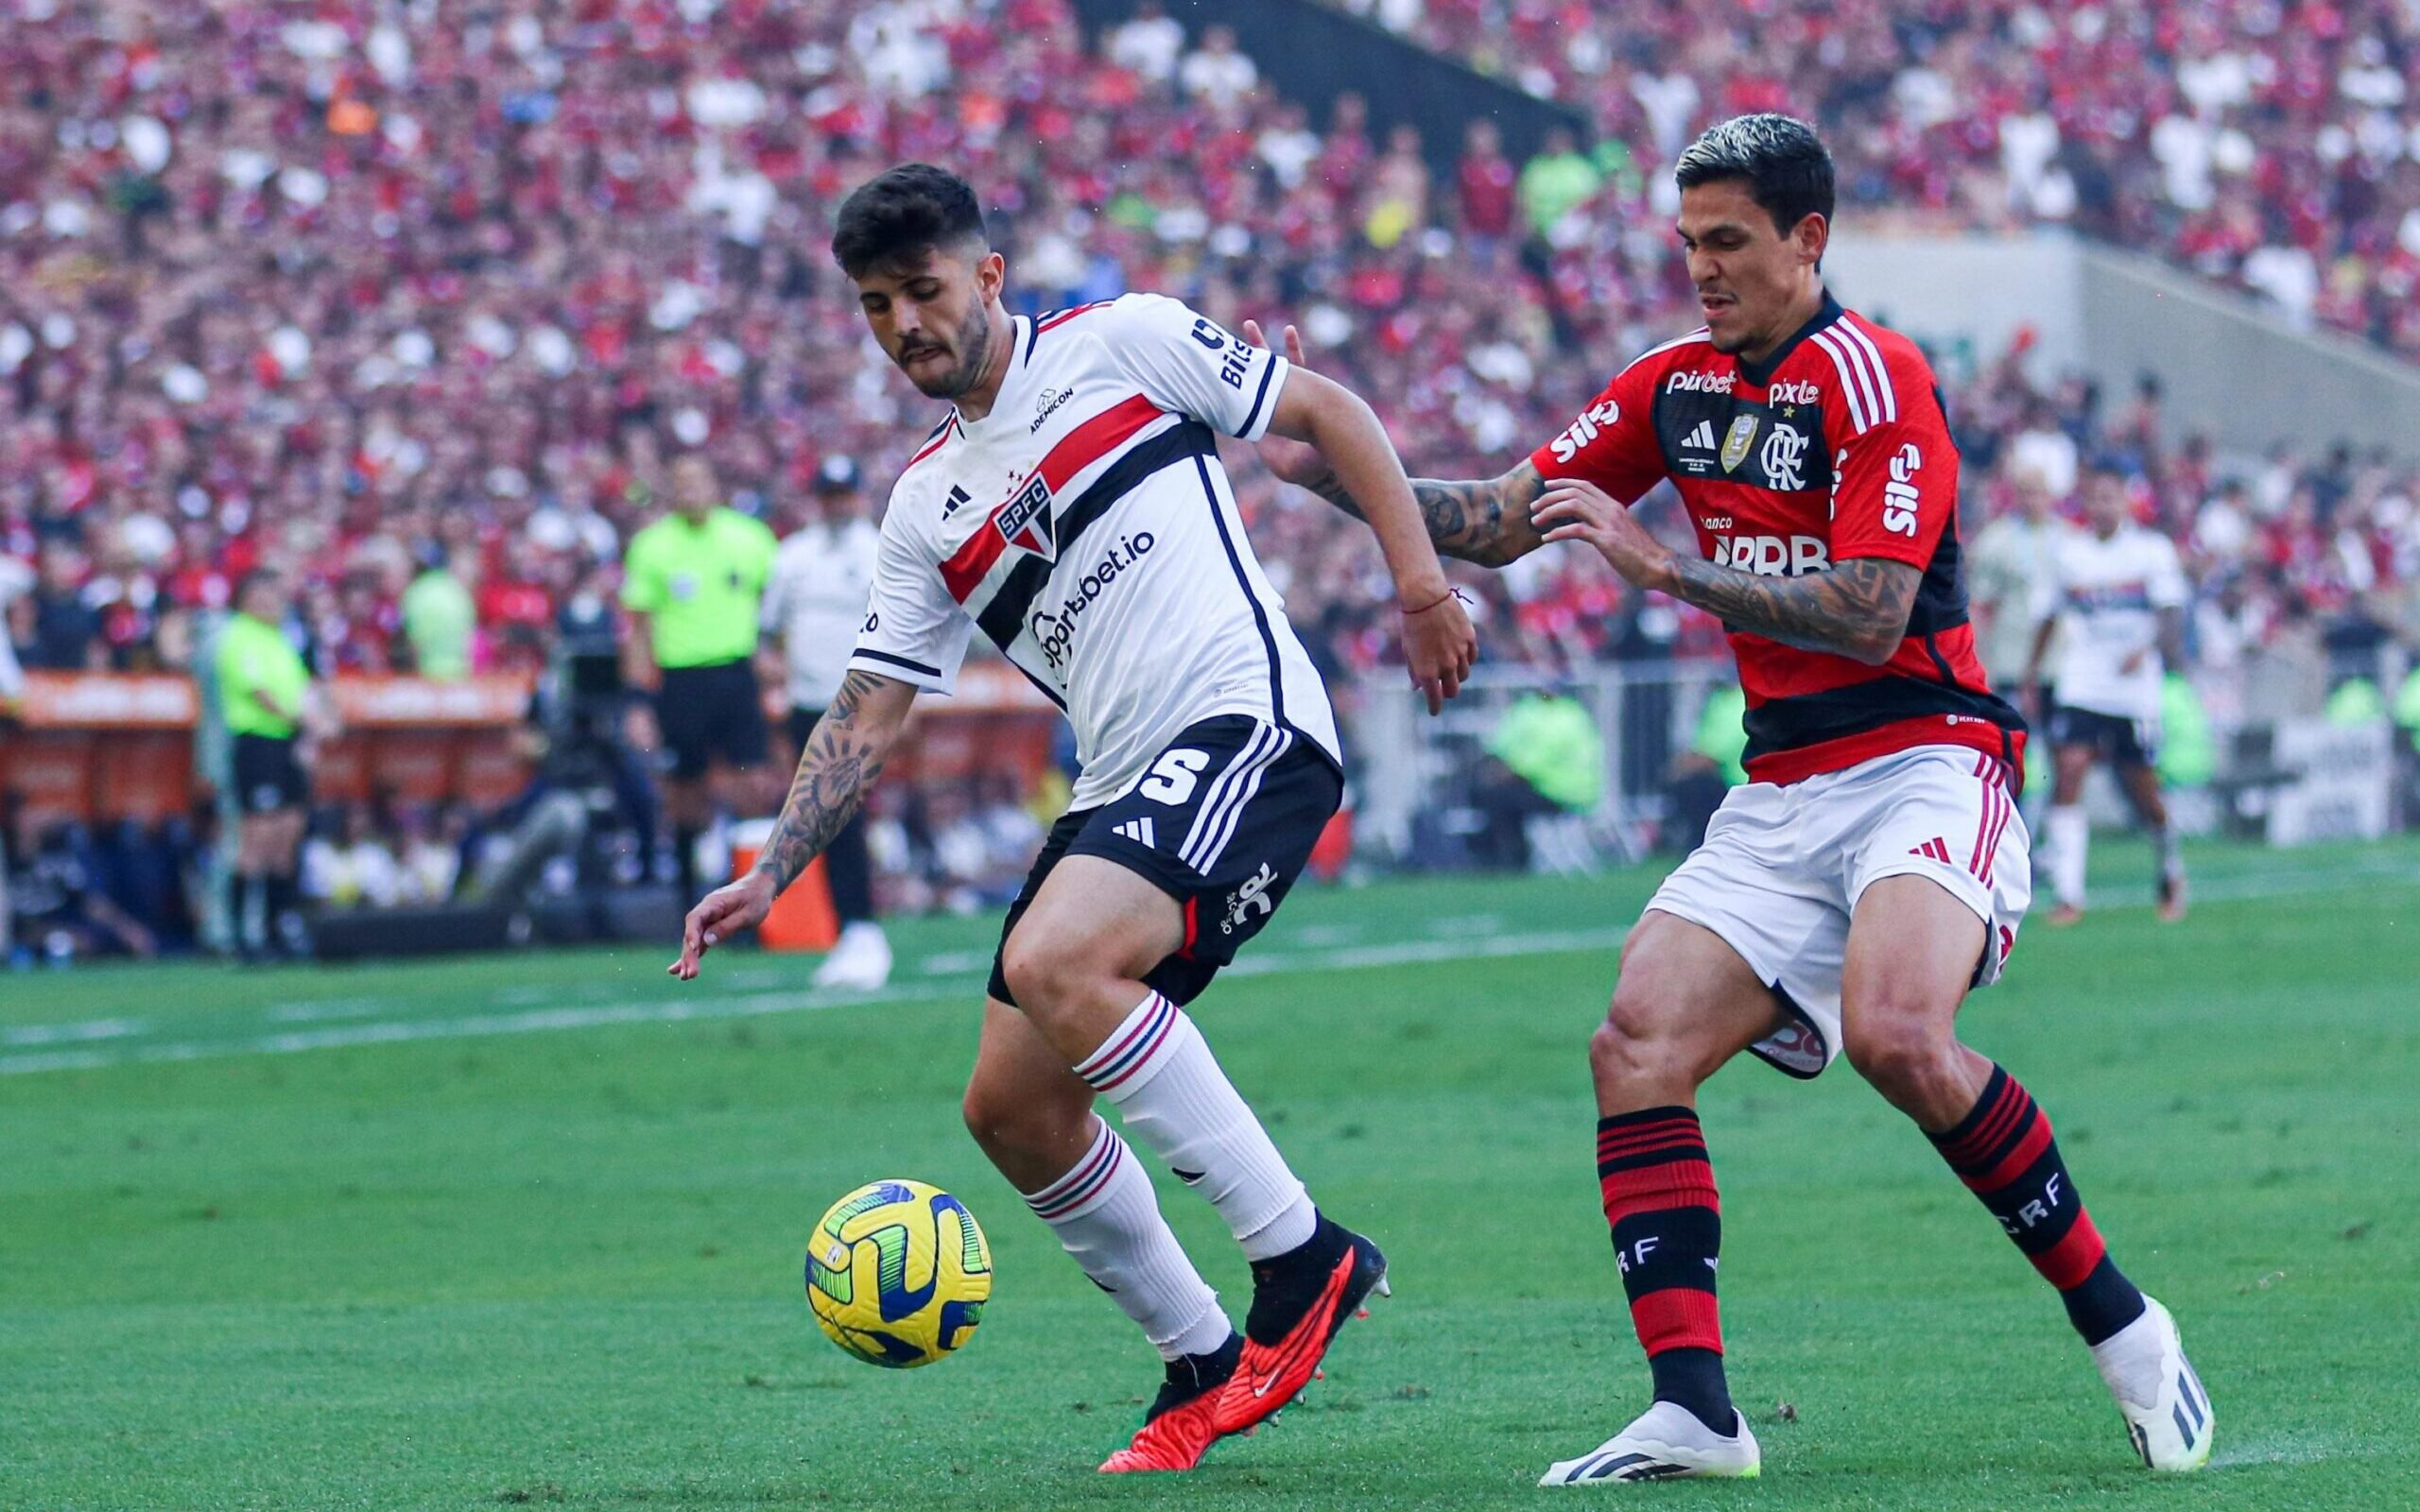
(2119, 592)
(1072, 507)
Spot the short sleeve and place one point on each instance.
(1612, 442)
(1895, 482)
(1189, 363)
(913, 632)
(642, 577)
(2168, 589)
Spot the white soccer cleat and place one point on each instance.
(859, 962)
(1665, 1443)
(2168, 1417)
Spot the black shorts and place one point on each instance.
(268, 774)
(2116, 738)
(1223, 824)
(709, 713)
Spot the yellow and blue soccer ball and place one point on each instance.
(897, 1273)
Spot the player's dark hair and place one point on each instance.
(902, 212)
(1784, 164)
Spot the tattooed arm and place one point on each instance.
(1857, 609)
(842, 761)
(1484, 520)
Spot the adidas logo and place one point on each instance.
(1932, 850)
(1140, 831)
(1701, 438)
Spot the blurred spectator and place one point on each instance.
(1216, 72)
(437, 618)
(354, 867)
(64, 634)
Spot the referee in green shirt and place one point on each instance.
(264, 688)
(692, 582)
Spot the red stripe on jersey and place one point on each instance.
(1064, 316)
(1803, 762)
(1077, 450)
(940, 439)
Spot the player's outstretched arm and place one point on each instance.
(842, 761)
(1483, 521)
(1857, 609)
(1437, 643)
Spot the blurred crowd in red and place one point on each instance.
(355, 288)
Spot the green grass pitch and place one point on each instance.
(529, 1229)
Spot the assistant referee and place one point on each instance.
(692, 583)
(263, 687)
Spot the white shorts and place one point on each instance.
(1782, 869)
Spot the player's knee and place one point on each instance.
(1631, 1049)
(995, 1114)
(1900, 1050)
(1048, 975)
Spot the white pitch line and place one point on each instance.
(947, 987)
(756, 1005)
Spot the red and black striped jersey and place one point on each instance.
(1834, 449)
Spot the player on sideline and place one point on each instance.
(1072, 506)
(2121, 592)
(1874, 868)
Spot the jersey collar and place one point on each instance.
(1761, 373)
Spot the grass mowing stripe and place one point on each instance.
(1411, 953)
(1459, 946)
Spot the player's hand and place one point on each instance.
(1438, 646)
(2134, 662)
(1574, 511)
(1295, 462)
(720, 914)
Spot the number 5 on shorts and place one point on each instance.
(1174, 775)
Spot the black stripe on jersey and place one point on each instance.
(1047, 691)
(1811, 718)
(1267, 371)
(1243, 580)
(897, 661)
(1004, 616)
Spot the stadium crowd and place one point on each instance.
(2269, 144)
(417, 299)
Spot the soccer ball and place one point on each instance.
(897, 1274)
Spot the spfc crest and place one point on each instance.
(1736, 444)
(1024, 521)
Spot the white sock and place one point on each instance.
(1158, 1070)
(2069, 835)
(1107, 1217)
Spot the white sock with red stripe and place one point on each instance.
(2070, 834)
(1108, 1218)
(1158, 1070)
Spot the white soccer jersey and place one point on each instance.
(2109, 595)
(1086, 527)
(816, 599)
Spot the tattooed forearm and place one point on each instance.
(840, 763)
(1484, 520)
(1858, 609)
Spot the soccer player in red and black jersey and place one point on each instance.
(1873, 867)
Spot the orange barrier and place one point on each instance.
(803, 918)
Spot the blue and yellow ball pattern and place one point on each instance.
(897, 1274)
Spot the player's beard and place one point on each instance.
(974, 344)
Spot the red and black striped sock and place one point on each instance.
(1658, 1186)
(2004, 1153)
